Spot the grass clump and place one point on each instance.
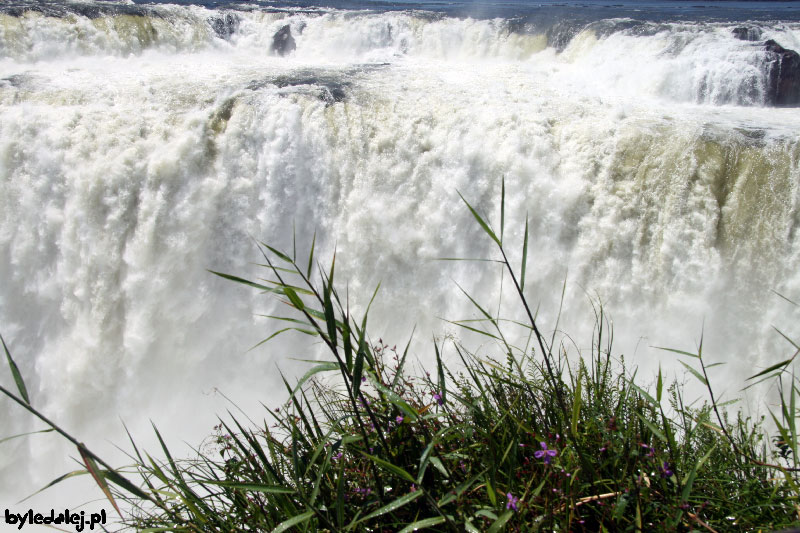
(526, 439)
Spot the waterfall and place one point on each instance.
(143, 145)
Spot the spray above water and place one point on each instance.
(143, 144)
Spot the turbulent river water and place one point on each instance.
(142, 144)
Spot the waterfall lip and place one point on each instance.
(90, 10)
(328, 84)
(18, 81)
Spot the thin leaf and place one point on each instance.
(392, 506)
(480, 220)
(490, 491)
(480, 259)
(311, 255)
(348, 345)
(399, 371)
(500, 523)
(322, 367)
(787, 299)
(475, 330)
(244, 281)
(422, 524)
(358, 369)
(390, 467)
(23, 391)
(254, 487)
(476, 304)
(502, 208)
(278, 253)
(524, 256)
(790, 341)
(24, 434)
(394, 398)
(295, 520)
(91, 466)
(653, 429)
(269, 338)
(57, 480)
(576, 405)
(695, 373)
(294, 298)
(440, 370)
(470, 527)
(330, 318)
(123, 482)
(643, 393)
(437, 463)
(659, 385)
(681, 352)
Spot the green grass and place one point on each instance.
(517, 438)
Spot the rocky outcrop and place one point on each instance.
(561, 33)
(783, 75)
(283, 42)
(224, 25)
(747, 33)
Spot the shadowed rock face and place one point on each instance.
(747, 33)
(783, 82)
(327, 87)
(283, 42)
(224, 25)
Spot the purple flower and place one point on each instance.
(512, 502)
(438, 398)
(665, 471)
(545, 454)
(398, 419)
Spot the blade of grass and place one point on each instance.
(389, 466)
(322, 367)
(294, 521)
(500, 523)
(23, 391)
(422, 524)
(482, 223)
(524, 256)
(12, 437)
(393, 505)
(92, 468)
(311, 254)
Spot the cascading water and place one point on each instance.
(143, 144)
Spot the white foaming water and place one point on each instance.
(138, 151)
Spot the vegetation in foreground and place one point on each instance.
(530, 438)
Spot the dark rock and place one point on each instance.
(783, 75)
(283, 42)
(561, 33)
(224, 25)
(747, 33)
(329, 87)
